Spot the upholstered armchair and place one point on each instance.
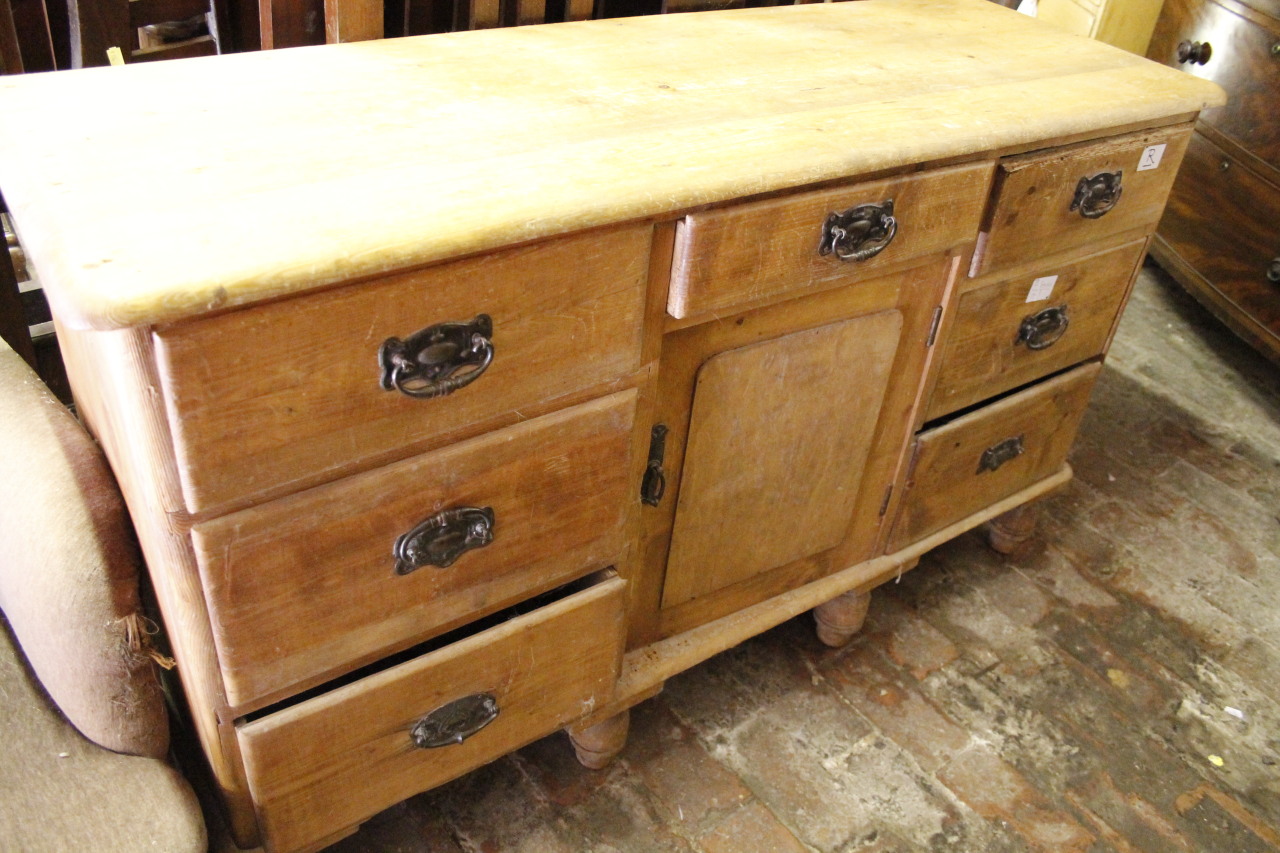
(84, 732)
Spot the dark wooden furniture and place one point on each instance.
(1220, 236)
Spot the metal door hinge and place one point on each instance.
(933, 327)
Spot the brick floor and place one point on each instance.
(1117, 690)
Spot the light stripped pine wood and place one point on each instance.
(337, 759)
(287, 395)
(304, 588)
(607, 121)
(778, 441)
(1031, 216)
(946, 483)
(734, 256)
(112, 376)
(982, 356)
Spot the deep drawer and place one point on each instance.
(310, 585)
(332, 761)
(1012, 330)
(984, 456)
(270, 399)
(1224, 221)
(1079, 195)
(737, 256)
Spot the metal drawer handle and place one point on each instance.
(860, 232)
(1273, 271)
(1195, 52)
(444, 537)
(455, 722)
(437, 360)
(1044, 328)
(654, 484)
(998, 454)
(1098, 194)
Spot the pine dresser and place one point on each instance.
(465, 388)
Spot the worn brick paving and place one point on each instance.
(1116, 690)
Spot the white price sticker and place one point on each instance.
(1042, 288)
(1151, 156)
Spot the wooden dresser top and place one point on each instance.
(153, 193)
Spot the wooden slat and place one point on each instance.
(31, 23)
(352, 20)
(10, 54)
(143, 12)
(95, 27)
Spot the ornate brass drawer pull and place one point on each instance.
(654, 484)
(455, 722)
(1195, 52)
(1098, 194)
(998, 454)
(860, 232)
(1043, 329)
(439, 359)
(444, 537)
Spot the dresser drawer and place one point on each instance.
(736, 256)
(1224, 221)
(332, 761)
(1011, 330)
(1240, 57)
(318, 583)
(986, 455)
(273, 398)
(1080, 195)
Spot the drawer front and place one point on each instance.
(286, 395)
(737, 256)
(1239, 58)
(333, 761)
(1050, 201)
(985, 456)
(1012, 330)
(1225, 222)
(311, 585)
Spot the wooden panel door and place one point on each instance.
(778, 440)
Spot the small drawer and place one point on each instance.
(1009, 331)
(982, 457)
(1224, 220)
(736, 256)
(1080, 195)
(315, 584)
(332, 761)
(273, 398)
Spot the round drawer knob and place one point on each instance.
(1273, 271)
(1275, 49)
(1195, 52)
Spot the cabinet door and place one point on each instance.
(779, 436)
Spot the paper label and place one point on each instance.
(1151, 157)
(1042, 288)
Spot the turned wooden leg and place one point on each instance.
(597, 745)
(1014, 532)
(841, 617)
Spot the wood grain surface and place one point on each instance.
(946, 483)
(339, 758)
(1032, 215)
(284, 171)
(736, 256)
(778, 441)
(289, 394)
(305, 587)
(983, 355)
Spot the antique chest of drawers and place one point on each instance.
(455, 406)
(1220, 237)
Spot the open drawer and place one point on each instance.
(963, 465)
(327, 763)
